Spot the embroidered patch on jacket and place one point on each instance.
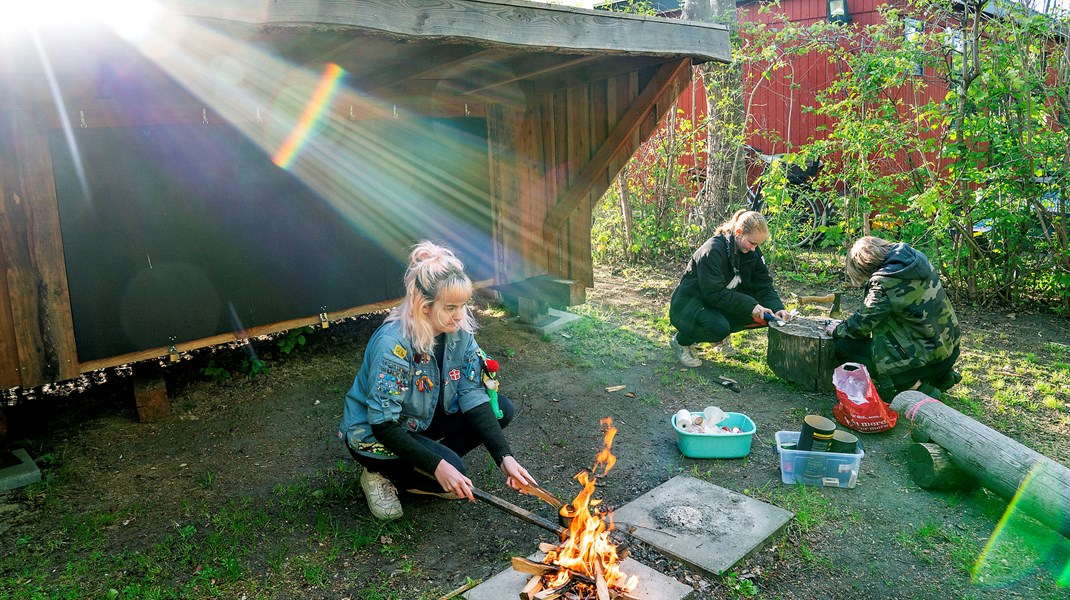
(375, 448)
(399, 351)
(455, 374)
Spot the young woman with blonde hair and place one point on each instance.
(418, 403)
(725, 288)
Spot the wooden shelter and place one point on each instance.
(232, 168)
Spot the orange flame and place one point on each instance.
(587, 549)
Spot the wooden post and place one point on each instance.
(932, 468)
(1039, 485)
(802, 353)
(150, 392)
(4, 447)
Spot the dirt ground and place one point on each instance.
(240, 439)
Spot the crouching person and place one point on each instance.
(418, 403)
(906, 333)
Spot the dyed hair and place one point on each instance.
(865, 257)
(748, 220)
(434, 271)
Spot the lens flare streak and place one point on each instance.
(314, 109)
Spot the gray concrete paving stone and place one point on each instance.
(16, 476)
(702, 525)
(652, 584)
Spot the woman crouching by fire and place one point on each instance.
(423, 396)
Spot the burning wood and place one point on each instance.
(586, 565)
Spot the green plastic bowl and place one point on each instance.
(717, 445)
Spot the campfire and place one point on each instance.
(586, 564)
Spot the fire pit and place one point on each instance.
(586, 564)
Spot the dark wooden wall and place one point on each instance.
(544, 155)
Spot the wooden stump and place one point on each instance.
(931, 467)
(802, 353)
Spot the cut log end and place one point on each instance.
(931, 467)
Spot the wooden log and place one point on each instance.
(932, 468)
(919, 436)
(1039, 486)
(801, 352)
(531, 567)
(555, 593)
(600, 585)
(532, 587)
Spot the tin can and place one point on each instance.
(843, 442)
(816, 434)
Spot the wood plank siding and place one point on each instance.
(252, 167)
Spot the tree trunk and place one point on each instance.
(1039, 486)
(625, 196)
(725, 173)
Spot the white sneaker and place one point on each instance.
(725, 347)
(684, 354)
(381, 495)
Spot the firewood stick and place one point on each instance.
(554, 593)
(461, 589)
(620, 595)
(525, 565)
(509, 507)
(533, 586)
(547, 547)
(600, 585)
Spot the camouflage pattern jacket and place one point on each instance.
(907, 313)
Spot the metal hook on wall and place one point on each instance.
(204, 116)
(81, 118)
(466, 113)
(351, 117)
(258, 119)
(395, 111)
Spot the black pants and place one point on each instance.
(861, 351)
(449, 436)
(710, 325)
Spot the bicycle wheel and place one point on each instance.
(795, 221)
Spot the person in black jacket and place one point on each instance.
(725, 288)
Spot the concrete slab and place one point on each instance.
(700, 524)
(554, 320)
(23, 473)
(652, 584)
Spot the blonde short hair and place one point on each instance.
(434, 271)
(865, 257)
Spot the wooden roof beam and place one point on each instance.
(531, 70)
(486, 22)
(445, 59)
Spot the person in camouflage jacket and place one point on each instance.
(906, 333)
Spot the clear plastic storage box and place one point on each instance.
(828, 469)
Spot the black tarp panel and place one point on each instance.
(184, 232)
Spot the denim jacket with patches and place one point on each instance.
(387, 387)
